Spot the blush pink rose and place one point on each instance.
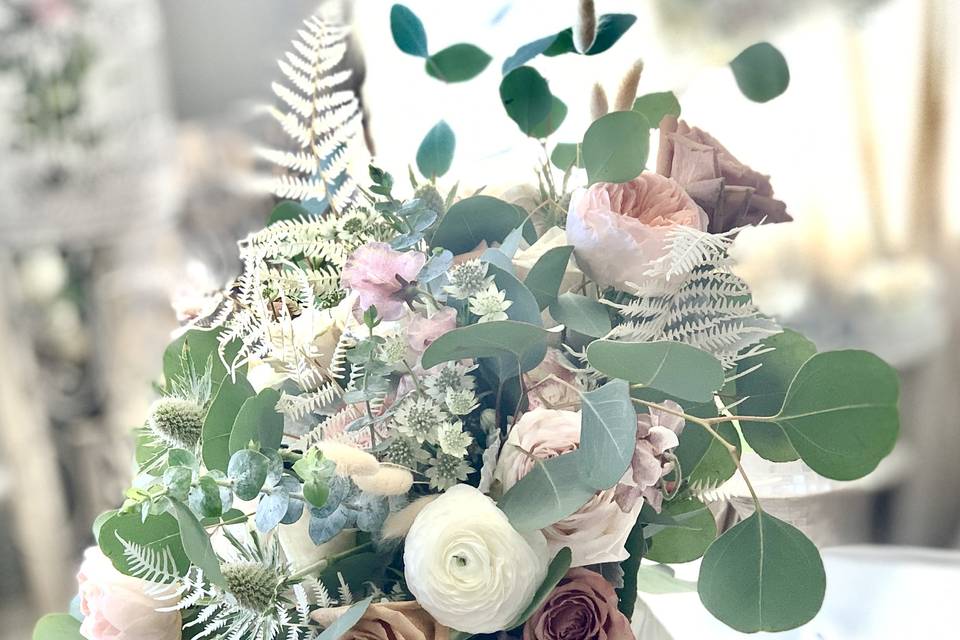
(582, 607)
(378, 275)
(116, 607)
(552, 384)
(598, 531)
(618, 230)
(421, 332)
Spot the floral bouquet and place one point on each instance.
(445, 415)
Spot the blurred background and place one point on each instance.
(126, 178)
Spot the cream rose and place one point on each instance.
(598, 531)
(552, 238)
(467, 566)
(618, 230)
(116, 606)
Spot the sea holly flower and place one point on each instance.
(490, 304)
(467, 566)
(383, 278)
(453, 439)
(447, 471)
(419, 418)
(468, 279)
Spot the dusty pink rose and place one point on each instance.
(657, 434)
(116, 607)
(551, 384)
(421, 332)
(598, 530)
(378, 275)
(582, 607)
(388, 621)
(618, 230)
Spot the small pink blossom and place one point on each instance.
(618, 230)
(116, 606)
(421, 332)
(657, 434)
(377, 273)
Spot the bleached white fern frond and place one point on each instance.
(692, 296)
(321, 116)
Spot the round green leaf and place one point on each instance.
(687, 541)
(248, 470)
(218, 423)
(177, 480)
(581, 314)
(527, 52)
(608, 434)
(549, 492)
(654, 106)
(457, 63)
(840, 413)
(157, 533)
(558, 112)
(526, 97)
(436, 151)
(761, 72)
(272, 508)
(408, 32)
(316, 491)
(57, 626)
(566, 155)
(524, 307)
(616, 146)
(257, 421)
(672, 367)
(204, 498)
(288, 210)
(610, 27)
(762, 575)
(473, 220)
(546, 275)
(345, 622)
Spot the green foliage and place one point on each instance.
(218, 424)
(316, 472)
(762, 575)
(615, 147)
(201, 346)
(525, 343)
(196, 544)
(526, 97)
(761, 72)
(672, 367)
(659, 578)
(158, 533)
(654, 106)
(627, 593)
(566, 155)
(57, 626)
(766, 387)
(546, 275)
(524, 307)
(546, 127)
(204, 498)
(610, 27)
(257, 421)
(686, 542)
(457, 63)
(840, 413)
(436, 151)
(248, 470)
(706, 462)
(608, 434)
(408, 32)
(552, 490)
(475, 219)
(288, 210)
(555, 572)
(581, 314)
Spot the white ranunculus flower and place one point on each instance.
(468, 567)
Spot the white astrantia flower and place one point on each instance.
(420, 419)
(449, 376)
(460, 402)
(406, 452)
(393, 349)
(490, 304)
(468, 567)
(446, 471)
(454, 440)
(467, 279)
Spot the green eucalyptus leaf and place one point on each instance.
(552, 490)
(257, 421)
(610, 27)
(527, 52)
(457, 63)
(204, 498)
(473, 220)
(526, 97)
(706, 462)
(556, 116)
(316, 491)
(197, 545)
(218, 423)
(566, 155)
(527, 343)
(345, 622)
(581, 314)
(608, 434)
(177, 481)
(288, 210)
(248, 470)
(408, 32)
(546, 275)
(766, 387)
(762, 575)
(688, 541)
(672, 367)
(436, 151)
(615, 147)
(654, 106)
(202, 345)
(660, 579)
(840, 413)
(57, 626)
(272, 508)
(158, 533)
(761, 72)
(524, 306)
(555, 572)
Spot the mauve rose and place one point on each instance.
(731, 193)
(377, 273)
(618, 230)
(582, 607)
(388, 621)
(598, 530)
(116, 607)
